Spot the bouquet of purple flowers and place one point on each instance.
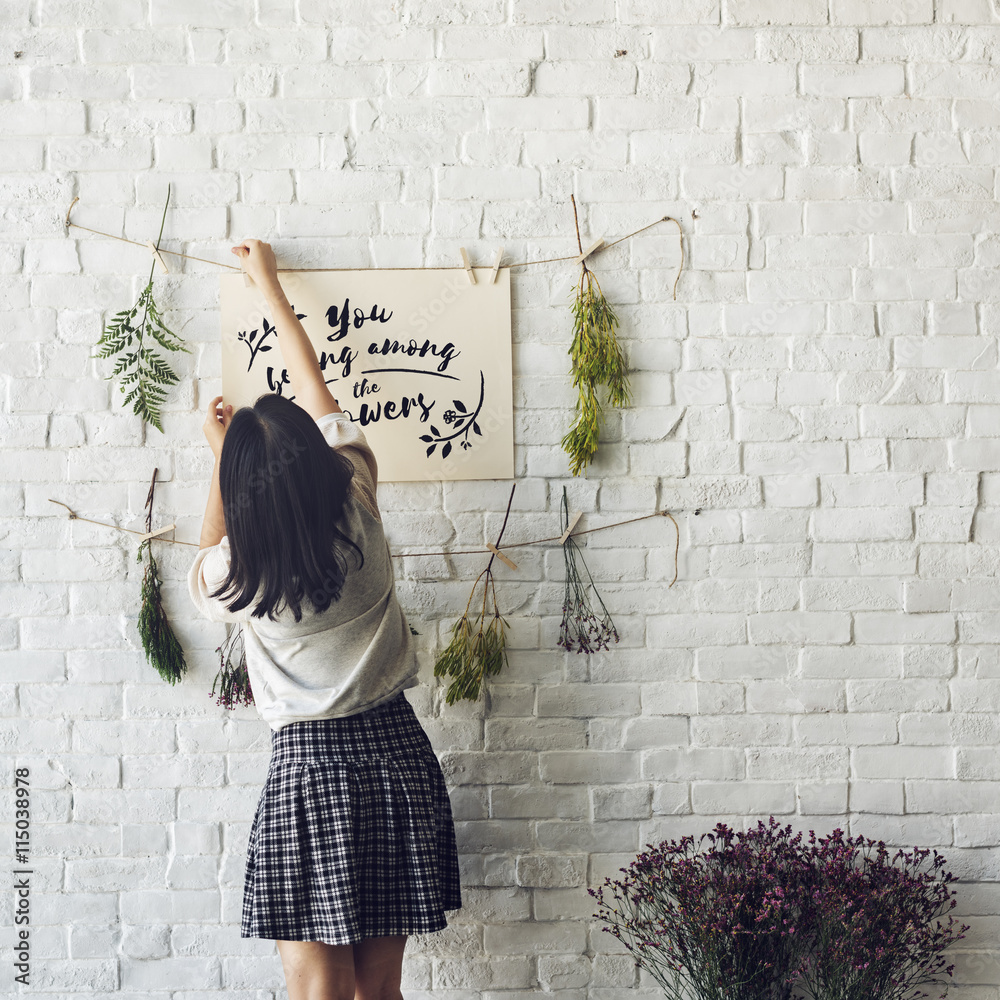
(762, 916)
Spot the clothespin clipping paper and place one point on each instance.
(467, 266)
(496, 266)
(156, 254)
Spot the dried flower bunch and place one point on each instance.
(159, 643)
(581, 629)
(599, 366)
(704, 920)
(761, 916)
(232, 678)
(145, 375)
(879, 932)
(478, 647)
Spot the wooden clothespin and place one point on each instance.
(572, 524)
(496, 266)
(156, 253)
(501, 556)
(159, 531)
(467, 266)
(596, 245)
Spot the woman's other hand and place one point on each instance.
(216, 424)
(259, 263)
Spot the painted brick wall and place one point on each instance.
(825, 389)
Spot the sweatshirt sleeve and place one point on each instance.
(210, 568)
(345, 435)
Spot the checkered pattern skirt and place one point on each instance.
(353, 835)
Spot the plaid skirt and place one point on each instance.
(353, 835)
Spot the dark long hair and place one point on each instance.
(283, 493)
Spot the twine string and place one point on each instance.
(404, 555)
(522, 263)
(73, 516)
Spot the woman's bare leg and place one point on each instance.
(378, 968)
(315, 970)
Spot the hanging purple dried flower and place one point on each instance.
(581, 629)
(232, 678)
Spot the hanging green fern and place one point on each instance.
(159, 643)
(145, 376)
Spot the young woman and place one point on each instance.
(352, 847)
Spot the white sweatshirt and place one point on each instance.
(353, 656)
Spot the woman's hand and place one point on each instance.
(216, 425)
(259, 263)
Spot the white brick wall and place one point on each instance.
(825, 388)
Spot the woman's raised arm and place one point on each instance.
(297, 352)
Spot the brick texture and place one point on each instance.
(824, 390)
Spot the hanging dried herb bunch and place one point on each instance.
(144, 374)
(232, 679)
(478, 647)
(159, 643)
(582, 629)
(599, 367)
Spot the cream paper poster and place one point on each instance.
(420, 359)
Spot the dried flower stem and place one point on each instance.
(599, 367)
(581, 629)
(232, 679)
(478, 648)
(159, 643)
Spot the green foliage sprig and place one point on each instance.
(145, 375)
(159, 643)
(599, 367)
(478, 647)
